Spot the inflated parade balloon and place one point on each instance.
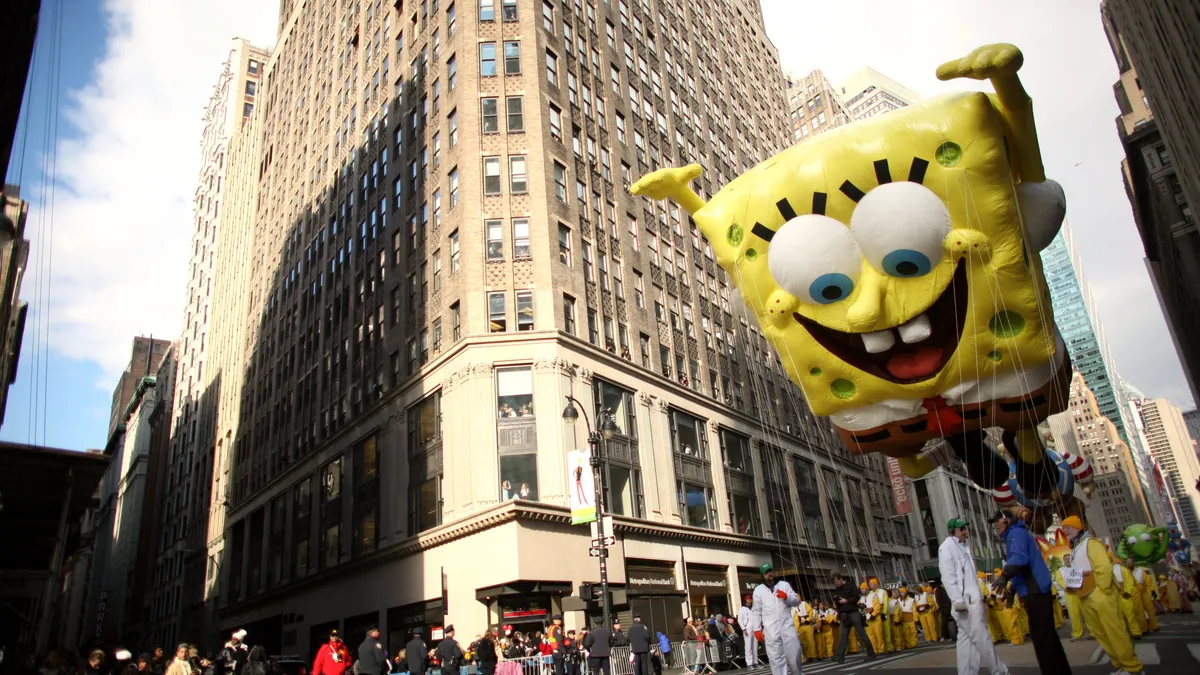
(1039, 510)
(893, 265)
(1146, 545)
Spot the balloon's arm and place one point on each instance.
(999, 63)
(671, 184)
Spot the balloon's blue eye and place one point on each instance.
(906, 263)
(831, 287)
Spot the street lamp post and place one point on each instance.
(596, 440)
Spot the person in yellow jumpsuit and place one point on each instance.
(925, 605)
(1098, 595)
(908, 618)
(876, 606)
(1057, 606)
(894, 631)
(1122, 588)
(1074, 607)
(804, 617)
(820, 630)
(1145, 581)
(832, 631)
(1131, 600)
(1010, 610)
(1022, 616)
(989, 599)
(1168, 593)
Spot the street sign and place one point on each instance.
(602, 532)
(596, 551)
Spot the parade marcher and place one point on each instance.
(639, 646)
(333, 658)
(925, 607)
(1145, 580)
(846, 598)
(876, 607)
(1168, 593)
(825, 638)
(1092, 580)
(960, 583)
(805, 619)
(908, 618)
(598, 644)
(449, 653)
(750, 626)
(232, 656)
(989, 600)
(894, 624)
(773, 600)
(1026, 571)
(1074, 607)
(417, 652)
(485, 653)
(1130, 600)
(371, 659)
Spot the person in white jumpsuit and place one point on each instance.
(960, 578)
(773, 603)
(750, 624)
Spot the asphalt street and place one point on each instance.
(1174, 650)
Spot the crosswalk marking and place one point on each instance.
(1147, 653)
(1195, 650)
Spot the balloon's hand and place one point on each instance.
(985, 63)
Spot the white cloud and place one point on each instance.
(123, 207)
(1069, 71)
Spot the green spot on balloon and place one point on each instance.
(1007, 324)
(751, 254)
(815, 372)
(948, 153)
(735, 234)
(843, 388)
(994, 355)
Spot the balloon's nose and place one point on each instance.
(863, 315)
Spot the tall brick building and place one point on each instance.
(427, 244)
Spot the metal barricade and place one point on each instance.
(528, 665)
(695, 657)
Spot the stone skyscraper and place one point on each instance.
(427, 245)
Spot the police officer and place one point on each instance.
(639, 646)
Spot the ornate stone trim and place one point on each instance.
(644, 399)
(663, 405)
(713, 427)
(585, 376)
(558, 365)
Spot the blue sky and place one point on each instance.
(136, 74)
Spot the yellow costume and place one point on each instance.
(876, 608)
(1058, 611)
(829, 635)
(1145, 586)
(1022, 616)
(1098, 595)
(804, 617)
(1130, 600)
(1168, 593)
(908, 618)
(1074, 609)
(993, 619)
(1010, 619)
(925, 605)
(895, 624)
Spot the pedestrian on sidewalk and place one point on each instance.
(1026, 571)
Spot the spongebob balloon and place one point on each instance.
(893, 264)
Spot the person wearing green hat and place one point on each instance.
(956, 562)
(773, 602)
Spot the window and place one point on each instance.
(524, 310)
(693, 504)
(517, 182)
(452, 119)
(555, 123)
(520, 238)
(564, 244)
(250, 85)
(491, 115)
(252, 67)
(569, 314)
(512, 58)
(491, 176)
(551, 68)
(455, 322)
(425, 479)
(451, 74)
(518, 457)
(497, 313)
(644, 345)
(451, 21)
(510, 10)
(639, 290)
(487, 59)
(487, 10)
(516, 114)
(454, 252)
(301, 515)
(495, 239)
(593, 327)
(560, 182)
(548, 16)
(453, 188)
(589, 272)
(604, 280)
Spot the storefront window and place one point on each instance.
(514, 392)
(518, 477)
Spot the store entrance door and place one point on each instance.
(661, 614)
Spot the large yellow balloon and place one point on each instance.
(893, 264)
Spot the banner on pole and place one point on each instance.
(899, 487)
(582, 483)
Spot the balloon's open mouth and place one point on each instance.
(912, 352)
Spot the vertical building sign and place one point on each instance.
(899, 487)
(582, 484)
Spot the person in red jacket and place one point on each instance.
(332, 658)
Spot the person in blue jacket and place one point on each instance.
(1026, 571)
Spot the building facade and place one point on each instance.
(1153, 44)
(121, 560)
(437, 248)
(815, 104)
(14, 255)
(1117, 498)
(183, 534)
(868, 92)
(1175, 456)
